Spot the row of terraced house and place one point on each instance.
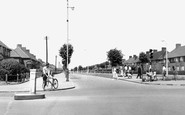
(175, 58)
(21, 54)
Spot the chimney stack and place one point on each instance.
(178, 45)
(163, 48)
(19, 45)
(155, 50)
(130, 57)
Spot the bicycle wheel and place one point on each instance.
(55, 83)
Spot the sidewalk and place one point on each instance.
(25, 87)
(159, 82)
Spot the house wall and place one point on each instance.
(5, 52)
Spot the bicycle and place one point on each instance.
(50, 84)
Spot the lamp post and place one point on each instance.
(166, 58)
(68, 29)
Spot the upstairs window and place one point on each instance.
(182, 68)
(181, 59)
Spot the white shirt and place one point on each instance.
(46, 70)
(164, 69)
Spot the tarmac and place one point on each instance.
(25, 87)
(63, 85)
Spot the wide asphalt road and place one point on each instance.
(100, 96)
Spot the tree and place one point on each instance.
(63, 54)
(80, 68)
(115, 57)
(143, 59)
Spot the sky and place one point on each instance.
(95, 27)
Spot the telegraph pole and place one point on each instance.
(55, 63)
(46, 49)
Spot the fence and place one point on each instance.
(15, 78)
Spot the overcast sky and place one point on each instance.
(96, 26)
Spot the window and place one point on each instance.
(176, 59)
(177, 68)
(182, 68)
(181, 59)
(1, 49)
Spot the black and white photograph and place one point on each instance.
(92, 57)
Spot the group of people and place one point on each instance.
(151, 74)
(125, 71)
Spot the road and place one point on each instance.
(100, 96)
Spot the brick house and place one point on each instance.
(131, 61)
(177, 58)
(23, 55)
(4, 50)
(158, 60)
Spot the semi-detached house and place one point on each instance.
(4, 50)
(23, 55)
(177, 58)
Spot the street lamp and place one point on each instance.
(68, 28)
(166, 58)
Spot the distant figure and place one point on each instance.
(164, 72)
(115, 75)
(174, 73)
(121, 70)
(139, 72)
(125, 70)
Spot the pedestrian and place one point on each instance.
(114, 73)
(139, 71)
(125, 70)
(121, 70)
(163, 72)
(174, 72)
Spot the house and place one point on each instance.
(131, 61)
(23, 55)
(4, 50)
(177, 58)
(158, 59)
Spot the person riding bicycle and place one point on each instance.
(46, 73)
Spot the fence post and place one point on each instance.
(17, 78)
(6, 78)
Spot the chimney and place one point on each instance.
(147, 52)
(163, 48)
(130, 57)
(19, 45)
(155, 50)
(134, 56)
(28, 51)
(178, 45)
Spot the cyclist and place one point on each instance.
(46, 73)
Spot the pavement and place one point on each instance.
(158, 82)
(25, 87)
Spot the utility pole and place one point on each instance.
(68, 30)
(55, 63)
(46, 49)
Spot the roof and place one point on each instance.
(22, 53)
(177, 52)
(131, 60)
(159, 55)
(2, 44)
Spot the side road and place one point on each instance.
(25, 87)
(168, 81)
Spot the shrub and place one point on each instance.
(12, 67)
